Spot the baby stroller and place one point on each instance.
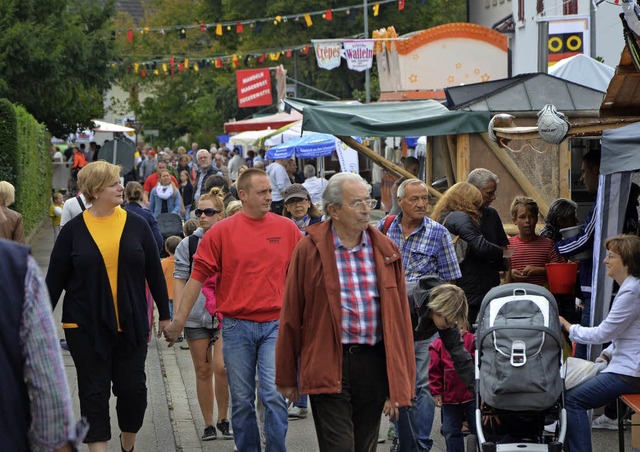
(169, 224)
(517, 366)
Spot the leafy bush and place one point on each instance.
(25, 162)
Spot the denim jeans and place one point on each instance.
(592, 393)
(452, 417)
(245, 345)
(417, 431)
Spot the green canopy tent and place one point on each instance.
(392, 119)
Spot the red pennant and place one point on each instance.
(181, 67)
(288, 53)
(130, 35)
(143, 73)
(400, 5)
(261, 59)
(172, 62)
(328, 14)
(203, 27)
(218, 63)
(172, 72)
(239, 27)
(306, 49)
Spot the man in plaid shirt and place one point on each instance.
(426, 249)
(345, 322)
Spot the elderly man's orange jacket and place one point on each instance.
(310, 331)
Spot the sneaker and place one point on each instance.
(64, 345)
(209, 433)
(395, 445)
(297, 412)
(551, 428)
(225, 429)
(184, 346)
(605, 422)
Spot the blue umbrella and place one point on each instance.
(306, 147)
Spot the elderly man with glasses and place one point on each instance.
(345, 322)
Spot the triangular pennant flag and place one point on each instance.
(164, 67)
(156, 72)
(235, 61)
(218, 63)
(400, 5)
(203, 27)
(143, 73)
(186, 63)
(261, 59)
(376, 9)
(172, 62)
(239, 27)
(306, 49)
(307, 19)
(183, 33)
(328, 15)
(181, 67)
(130, 35)
(288, 53)
(136, 66)
(218, 29)
(196, 68)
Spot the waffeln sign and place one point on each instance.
(254, 87)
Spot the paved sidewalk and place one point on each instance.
(173, 421)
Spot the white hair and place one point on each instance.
(332, 194)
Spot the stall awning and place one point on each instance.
(273, 122)
(391, 119)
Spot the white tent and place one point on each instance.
(247, 140)
(619, 160)
(583, 70)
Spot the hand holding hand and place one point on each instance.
(391, 410)
(171, 332)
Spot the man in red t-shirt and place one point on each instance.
(260, 243)
(152, 181)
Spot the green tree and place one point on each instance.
(56, 59)
(200, 103)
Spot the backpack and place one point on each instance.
(460, 246)
(419, 293)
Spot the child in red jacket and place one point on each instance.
(450, 393)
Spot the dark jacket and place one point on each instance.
(480, 267)
(186, 191)
(309, 338)
(14, 398)
(76, 266)
(145, 213)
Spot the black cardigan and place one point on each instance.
(77, 267)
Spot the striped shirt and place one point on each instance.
(428, 250)
(52, 418)
(536, 252)
(359, 296)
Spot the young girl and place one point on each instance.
(450, 393)
(55, 212)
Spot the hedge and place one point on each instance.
(25, 161)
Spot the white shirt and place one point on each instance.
(621, 327)
(72, 209)
(315, 186)
(279, 179)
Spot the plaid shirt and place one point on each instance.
(359, 297)
(427, 251)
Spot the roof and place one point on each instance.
(583, 70)
(263, 122)
(525, 92)
(623, 94)
(391, 119)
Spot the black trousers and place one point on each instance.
(124, 367)
(349, 421)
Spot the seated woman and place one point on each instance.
(165, 197)
(620, 327)
(562, 214)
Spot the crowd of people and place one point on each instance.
(312, 262)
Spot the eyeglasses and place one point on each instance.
(611, 256)
(295, 201)
(208, 212)
(363, 203)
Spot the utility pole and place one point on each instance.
(367, 80)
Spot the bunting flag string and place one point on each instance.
(256, 24)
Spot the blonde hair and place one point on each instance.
(95, 177)
(463, 197)
(7, 193)
(233, 208)
(450, 302)
(216, 196)
(527, 203)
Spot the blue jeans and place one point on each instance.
(245, 345)
(593, 393)
(452, 417)
(302, 402)
(415, 434)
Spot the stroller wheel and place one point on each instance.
(488, 447)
